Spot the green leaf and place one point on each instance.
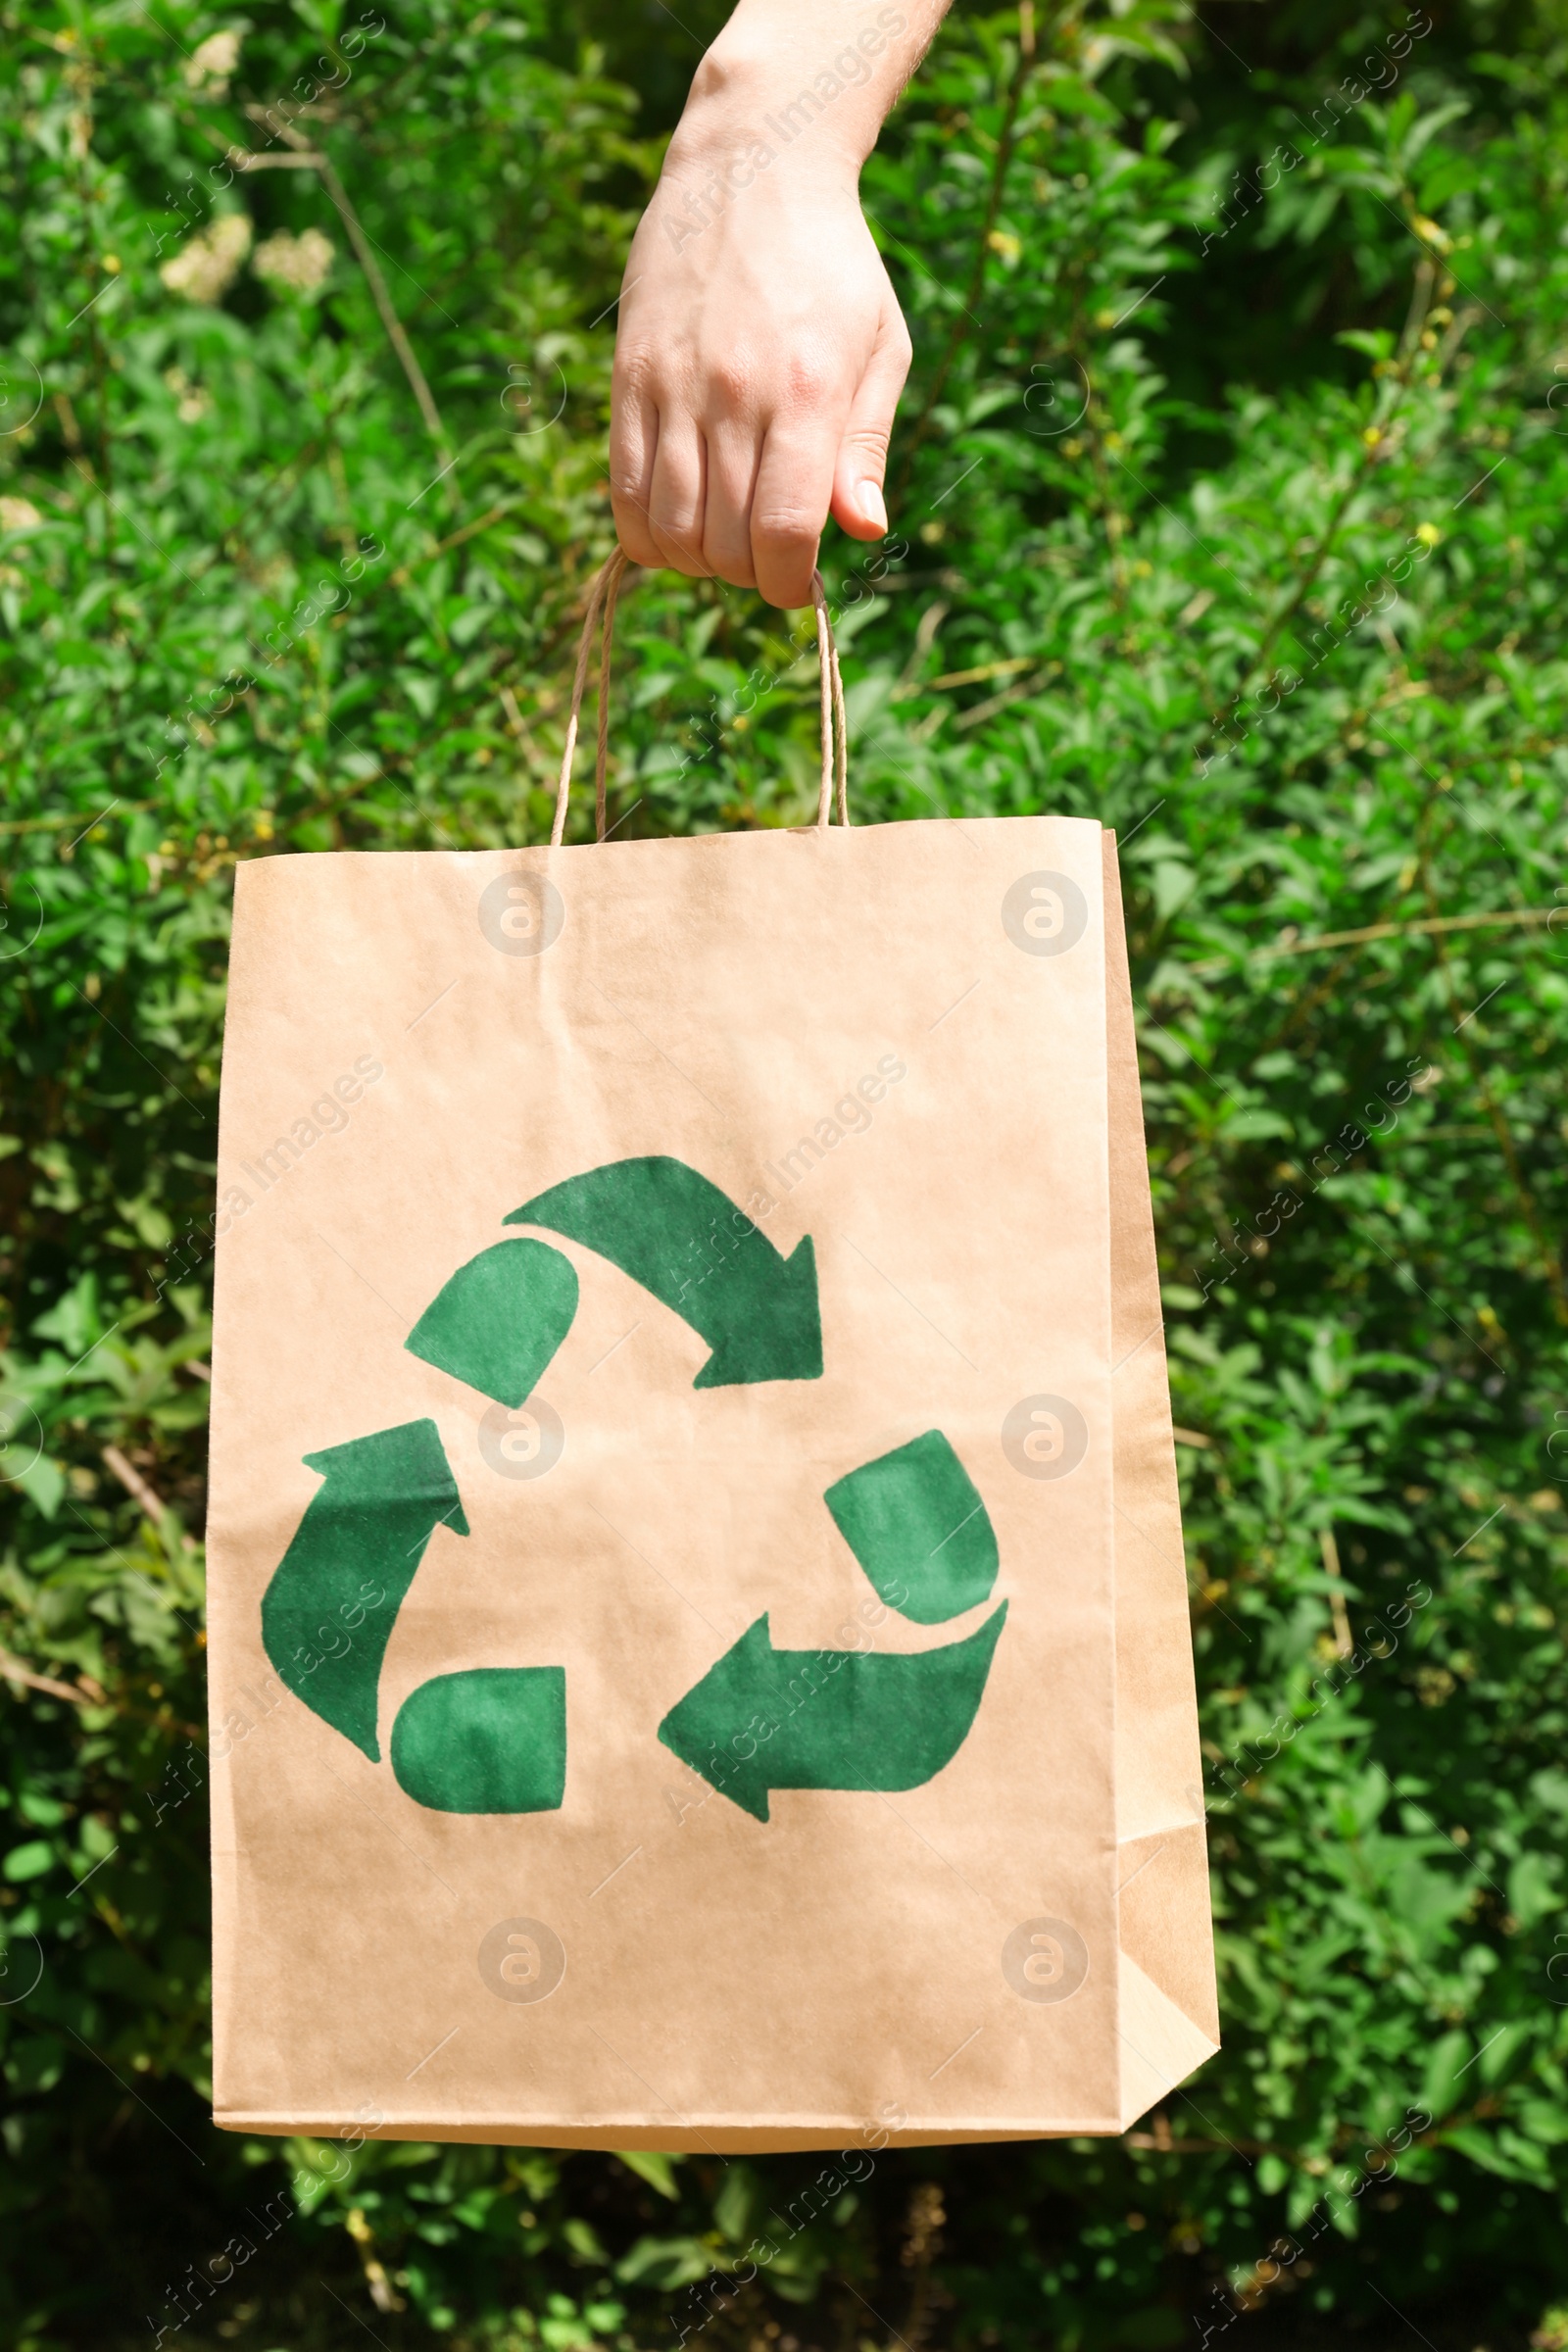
(665, 2263)
(657, 2171)
(29, 1861)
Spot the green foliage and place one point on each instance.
(1230, 499)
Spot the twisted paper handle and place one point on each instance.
(602, 598)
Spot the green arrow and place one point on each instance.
(764, 1718)
(327, 1614)
(914, 1520)
(500, 1319)
(685, 1241)
(490, 1740)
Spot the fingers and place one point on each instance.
(657, 474)
(633, 447)
(862, 453)
(790, 504)
(739, 501)
(734, 452)
(677, 494)
(739, 480)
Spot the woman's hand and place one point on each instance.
(761, 350)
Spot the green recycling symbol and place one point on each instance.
(493, 1739)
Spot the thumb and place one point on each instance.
(862, 457)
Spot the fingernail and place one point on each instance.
(869, 497)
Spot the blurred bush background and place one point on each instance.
(1229, 507)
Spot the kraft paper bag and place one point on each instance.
(699, 1636)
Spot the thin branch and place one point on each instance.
(70, 816)
(404, 571)
(308, 157)
(1337, 1609)
(1428, 927)
(135, 1485)
(963, 677)
(383, 303)
(14, 1671)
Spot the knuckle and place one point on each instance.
(870, 440)
(785, 531)
(808, 380)
(634, 376)
(731, 384)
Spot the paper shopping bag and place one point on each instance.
(699, 1638)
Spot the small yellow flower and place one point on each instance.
(1428, 533)
(1003, 242)
(112, 263)
(1372, 436)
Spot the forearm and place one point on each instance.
(810, 81)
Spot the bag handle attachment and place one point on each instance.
(602, 599)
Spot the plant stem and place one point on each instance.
(315, 159)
